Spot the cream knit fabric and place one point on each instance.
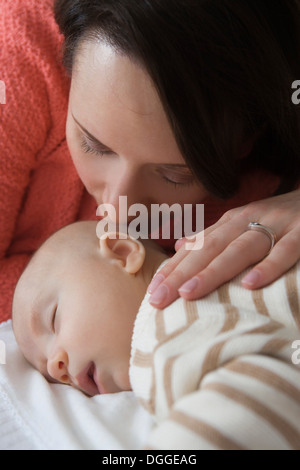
(218, 373)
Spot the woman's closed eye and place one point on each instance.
(178, 178)
(177, 184)
(88, 147)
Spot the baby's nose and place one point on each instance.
(58, 368)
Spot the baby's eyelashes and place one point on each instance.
(53, 322)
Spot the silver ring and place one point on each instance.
(266, 230)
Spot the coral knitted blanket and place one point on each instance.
(40, 190)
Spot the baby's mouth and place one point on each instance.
(86, 380)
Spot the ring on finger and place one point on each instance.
(266, 231)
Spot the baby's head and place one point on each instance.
(75, 305)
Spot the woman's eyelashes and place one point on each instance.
(88, 148)
(177, 184)
(178, 178)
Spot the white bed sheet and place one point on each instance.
(36, 415)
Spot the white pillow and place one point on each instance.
(36, 415)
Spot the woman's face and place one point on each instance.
(119, 136)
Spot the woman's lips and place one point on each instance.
(87, 380)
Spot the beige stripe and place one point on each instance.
(266, 376)
(191, 316)
(292, 294)
(160, 326)
(290, 433)
(232, 314)
(162, 338)
(267, 329)
(274, 346)
(191, 312)
(259, 302)
(206, 431)
(212, 358)
(142, 359)
(168, 371)
(145, 360)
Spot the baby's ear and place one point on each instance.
(123, 250)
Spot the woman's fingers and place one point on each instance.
(279, 261)
(188, 262)
(179, 244)
(230, 247)
(215, 240)
(190, 282)
(231, 262)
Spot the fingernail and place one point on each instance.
(179, 244)
(189, 286)
(156, 281)
(159, 295)
(251, 279)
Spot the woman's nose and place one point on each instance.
(58, 367)
(125, 185)
(126, 180)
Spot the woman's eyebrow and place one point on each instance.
(90, 136)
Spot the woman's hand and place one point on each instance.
(229, 248)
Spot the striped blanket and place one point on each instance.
(222, 372)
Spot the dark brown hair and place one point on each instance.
(223, 69)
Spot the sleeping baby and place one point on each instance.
(216, 373)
